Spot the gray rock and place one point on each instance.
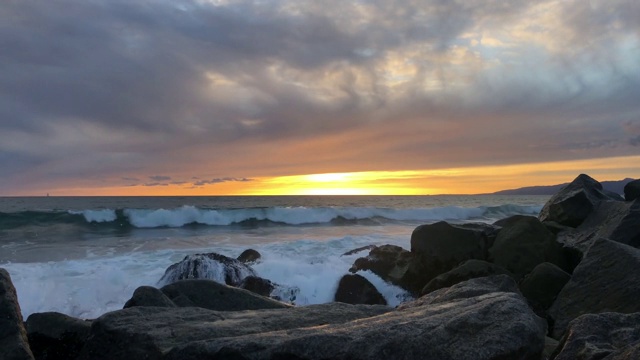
(355, 289)
(249, 256)
(215, 296)
(212, 266)
(571, 205)
(632, 190)
(604, 281)
(257, 285)
(148, 296)
(55, 336)
(523, 243)
(392, 263)
(542, 286)
(14, 344)
(494, 325)
(149, 332)
(611, 336)
(470, 269)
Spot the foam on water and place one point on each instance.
(98, 216)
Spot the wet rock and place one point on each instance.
(542, 286)
(355, 289)
(149, 296)
(249, 256)
(490, 325)
(470, 269)
(150, 332)
(603, 282)
(215, 296)
(632, 190)
(257, 285)
(55, 336)
(611, 336)
(523, 243)
(13, 337)
(360, 249)
(212, 266)
(390, 262)
(573, 204)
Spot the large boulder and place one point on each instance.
(249, 256)
(571, 205)
(355, 289)
(257, 285)
(150, 332)
(605, 281)
(632, 190)
(212, 266)
(611, 336)
(542, 286)
(489, 325)
(390, 262)
(14, 344)
(523, 243)
(215, 296)
(56, 336)
(470, 269)
(148, 296)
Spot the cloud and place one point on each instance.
(255, 89)
(220, 180)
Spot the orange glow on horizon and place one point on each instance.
(470, 180)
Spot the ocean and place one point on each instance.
(84, 256)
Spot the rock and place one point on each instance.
(149, 332)
(442, 246)
(542, 286)
(550, 346)
(603, 282)
(55, 336)
(632, 190)
(257, 285)
(360, 249)
(355, 289)
(215, 296)
(523, 243)
(390, 262)
(571, 205)
(212, 266)
(615, 220)
(470, 269)
(611, 336)
(14, 344)
(249, 256)
(493, 325)
(149, 296)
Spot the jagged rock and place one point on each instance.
(489, 325)
(542, 286)
(440, 247)
(571, 205)
(615, 220)
(55, 336)
(212, 266)
(611, 336)
(360, 249)
(249, 256)
(215, 296)
(604, 281)
(523, 243)
(632, 190)
(390, 262)
(257, 285)
(355, 289)
(470, 269)
(149, 296)
(149, 332)
(13, 337)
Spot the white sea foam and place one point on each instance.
(98, 216)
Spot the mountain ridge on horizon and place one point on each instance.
(616, 186)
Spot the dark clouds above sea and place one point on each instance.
(110, 91)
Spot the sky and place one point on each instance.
(224, 97)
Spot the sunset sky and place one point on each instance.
(213, 97)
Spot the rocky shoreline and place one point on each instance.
(559, 286)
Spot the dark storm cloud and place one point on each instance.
(171, 86)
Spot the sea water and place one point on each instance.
(84, 256)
